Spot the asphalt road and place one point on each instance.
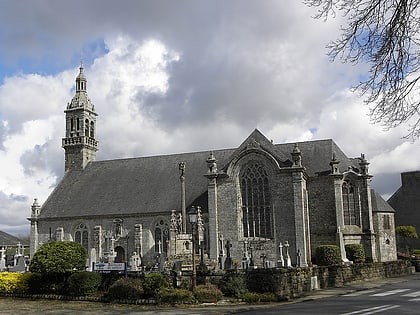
(395, 298)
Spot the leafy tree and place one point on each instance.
(405, 233)
(58, 257)
(384, 34)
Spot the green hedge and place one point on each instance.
(126, 288)
(175, 296)
(83, 283)
(355, 253)
(233, 284)
(208, 293)
(327, 255)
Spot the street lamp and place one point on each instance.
(192, 215)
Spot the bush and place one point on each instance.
(254, 297)
(355, 253)
(264, 280)
(327, 255)
(126, 288)
(13, 282)
(83, 283)
(59, 257)
(208, 293)
(39, 283)
(175, 296)
(232, 285)
(152, 283)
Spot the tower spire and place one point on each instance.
(80, 144)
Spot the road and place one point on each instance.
(397, 298)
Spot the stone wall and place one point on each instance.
(296, 282)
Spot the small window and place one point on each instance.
(386, 222)
(161, 237)
(92, 129)
(86, 128)
(81, 235)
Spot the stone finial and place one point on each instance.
(211, 163)
(181, 167)
(334, 164)
(35, 208)
(364, 164)
(296, 156)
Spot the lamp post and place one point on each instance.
(192, 215)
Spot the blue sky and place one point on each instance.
(175, 76)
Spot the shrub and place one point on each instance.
(13, 282)
(208, 293)
(59, 257)
(83, 283)
(355, 253)
(254, 297)
(126, 288)
(152, 283)
(327, 255)
(233, 285)
(264, 280)
(175, 296)
(46, 282)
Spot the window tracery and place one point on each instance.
(350, 206)
(256, 202)
(81, 235)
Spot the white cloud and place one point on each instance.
(200, 78)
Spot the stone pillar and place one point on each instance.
(212, 175)
(366, 210)
(338, 183)
(181, 167)
(138, 239)
(97, 230)
(301, 215)
(34, 237)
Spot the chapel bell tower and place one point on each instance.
(80, 144)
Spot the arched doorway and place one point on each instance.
(120, 254)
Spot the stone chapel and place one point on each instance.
(264, 203)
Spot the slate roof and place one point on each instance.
(147, 185)
(8, 239)
(379, 204)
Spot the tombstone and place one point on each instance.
(228, 261)
(288, 260)
(2, 258)
(20, 265)
(135, 262)
(280, 262)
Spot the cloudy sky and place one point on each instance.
(175, 76)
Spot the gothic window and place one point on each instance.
(78, 123)
(161, 237)
(81, 235)
(350, 209)
(386, 222)
(256, 202)
(71, 124)
(92, 129)
(86, 128)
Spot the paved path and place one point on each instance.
(14, 306)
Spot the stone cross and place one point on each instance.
(288, 260)
(281, 259)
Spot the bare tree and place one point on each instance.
(384, 34)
